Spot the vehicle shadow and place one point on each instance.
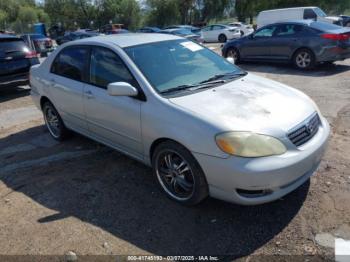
(12, 93)
(120, 195)
(287, 69)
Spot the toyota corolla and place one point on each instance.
(204, 125)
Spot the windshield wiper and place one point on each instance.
(178, 88)
(192, 87)
(227, 75)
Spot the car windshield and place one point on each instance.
(177, 63)
(320, 12)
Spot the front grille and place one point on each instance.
(304, 132)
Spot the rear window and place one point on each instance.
(10, 45)
(324, 26)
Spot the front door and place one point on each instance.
(112, 119)
(257, 46)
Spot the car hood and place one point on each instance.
(333, 18)
(250, 103)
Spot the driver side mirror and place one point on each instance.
(121, 89)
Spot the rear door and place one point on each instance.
(257, 46)
(13, 59)
(286, 40)
(66, 79)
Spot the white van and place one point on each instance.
(297, 13)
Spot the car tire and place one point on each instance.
(234, 53)
(54, 122)
(304, 59)
(178, 174)
(222, 38)
(242, 33)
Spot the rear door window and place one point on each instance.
(289, 30)
(71, 63)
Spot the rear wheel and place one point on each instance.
(304, 59)
(179, 174)
(222, 38)
(54, 122)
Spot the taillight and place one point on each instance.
(31, 54)
(336, 37)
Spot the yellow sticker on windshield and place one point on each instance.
(191, 46)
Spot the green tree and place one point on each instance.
(163, 12)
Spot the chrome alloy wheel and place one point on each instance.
(303, 59)
(175, 175)
(52, 121)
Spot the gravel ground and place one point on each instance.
(79, 197)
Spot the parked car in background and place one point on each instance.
(296, 13)
(193, 29)
(149, 29)
(15, 61)
(40, 43)
(71, 36)
(184, 33)
(219, 33)
(110, 29)
(303, 43)
(117, 31)
(244, 28)
(221, 132)
(346, 20)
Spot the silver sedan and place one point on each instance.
(204, 125)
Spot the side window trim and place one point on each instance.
(141, 95)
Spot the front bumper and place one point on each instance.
(251, 181)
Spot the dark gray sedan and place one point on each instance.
(303, 43)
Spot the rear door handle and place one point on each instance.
(89, 94)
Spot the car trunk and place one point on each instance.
(13, 60)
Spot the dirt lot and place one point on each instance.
(82, 197)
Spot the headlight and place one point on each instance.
(248, 144)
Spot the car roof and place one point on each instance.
(307, 22)
(128, 39)
(289, 8)
(7, 36)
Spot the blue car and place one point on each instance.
(149, 29)
(303, 43)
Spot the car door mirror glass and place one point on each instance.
(121, 89)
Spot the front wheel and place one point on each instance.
(179, 174)
(54, 122)
(233, 53)
(304, 59)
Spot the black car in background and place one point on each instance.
(346, 20)
(303, 43)
(40, 43)
(15, 61)
(71, 36)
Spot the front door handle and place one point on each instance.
(89, 94)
